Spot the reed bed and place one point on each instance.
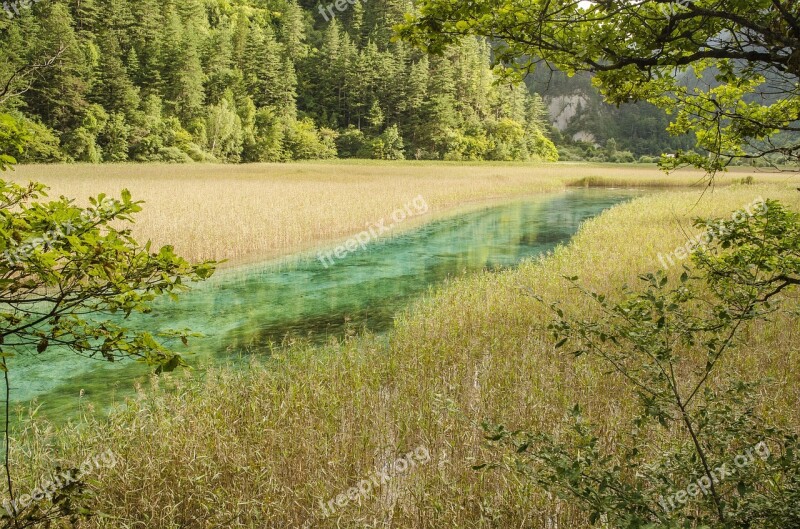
(262, 447)
(245, 213)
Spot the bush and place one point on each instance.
(622, 157)
(353, 144)
(668, 342)
(81, 144)
(508, 140)
(266, 142)
(43, 145)
(541, 148)
(389, 145)
(114, 139)
(173, 155)
(304, 142)
(471, 144)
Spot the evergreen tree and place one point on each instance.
(439, 115)
(187, 92)
(218, 63)
(327, 78)
(254, 80)
(239, 39)
(112, 88)
(194, 18)
(287, 90)
(59, 93)
(538, 115)
(375, 117)
(263, 70)
(357, 23)
(293, 31)
(147, 34)
(86, 15)
(346, 63)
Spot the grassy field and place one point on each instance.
(250, 212)
(263, 447)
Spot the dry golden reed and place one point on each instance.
(261, 447)
(250, 212)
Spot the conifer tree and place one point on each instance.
(147, 33)
(113, 89)
(147, 80)
(293, 31)
(262, 71)
(187, 93)
(59, 93)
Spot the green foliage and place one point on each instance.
(541, 147)
(389, 145)
(668, 343)
(250, 81)
(352, 143)
(42, 144)
(13, 138)
(71, 277)
(304, 142)
(267, 141)
(589, 152)
(114, 138)
(224, 131)
(739, 96)
(507, 138)
(472, 144)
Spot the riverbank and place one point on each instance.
(272, 445)
(250, 213)
(258, 307)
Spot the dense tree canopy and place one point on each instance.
(252, 81)
(726, 69)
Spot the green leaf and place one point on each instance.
(169, 366)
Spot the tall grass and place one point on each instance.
(249, 212)
(261, 447)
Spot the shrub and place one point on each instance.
(173, 155)
(389, 145)
(353, 144)
(726, 465)
(304, 142)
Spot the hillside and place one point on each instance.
(253, 81)
(579, 115)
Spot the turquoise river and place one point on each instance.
(245, 311)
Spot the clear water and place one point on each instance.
(241, 312)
